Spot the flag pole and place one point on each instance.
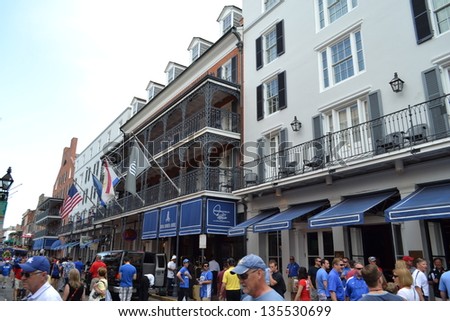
(161, 169)
(82, 191)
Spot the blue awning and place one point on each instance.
(283, 220)
(428, 202)
(220, 216)
(168, 221)
(38, 244)
(241, 228)
(55, 244)
(73, 244)
(348, 212)
(150, 225)
(191, 217)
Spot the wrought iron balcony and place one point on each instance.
(48, 215)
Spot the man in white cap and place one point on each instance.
(251, 271)
(34, 277)
(171, 268)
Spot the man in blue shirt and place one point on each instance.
(334, 281)
(292, 272)
(183, 277)
(356, 286)
(80, 266)
(322, 281)
(206, 280)
(127, 273)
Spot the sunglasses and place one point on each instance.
(28, 274)
(358, 268)
(244, 276)
(342, 264)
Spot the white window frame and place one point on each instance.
(227, 22)
(271, 99)
(325, 9)
(195, 52)
(226, 71)
(270, 45)
(170, 75)
(436, 11)
(356, 57)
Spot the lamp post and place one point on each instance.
(5, 184)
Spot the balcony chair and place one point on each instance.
(288, 170)
(416, 133)
(313, 163)
(250, 179)
(390, 141)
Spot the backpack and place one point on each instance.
(55, 270)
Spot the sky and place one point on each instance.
(68, 68)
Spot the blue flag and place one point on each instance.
(98, 188)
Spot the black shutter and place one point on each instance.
(280, 38)
(234, 70)
(375, 114)
(259, 53)
(421, 20)
(282, 90)
(259, 103)
(318, 143)
(260, 146)
(282, 148)
(436, 106)
(219, 72)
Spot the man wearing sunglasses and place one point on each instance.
(34, 277)
(251, 271)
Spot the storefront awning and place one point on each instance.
(428, 202)
(55, 245)
(150, 225)
(348, 212)
(241, 228)
(191, 217)
(283, 220)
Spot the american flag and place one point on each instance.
(71, 200)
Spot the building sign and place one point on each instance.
(221, 216)
(168, 221)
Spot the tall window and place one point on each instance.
(270, 45)
(342, 60)
(442, 14)
(331, 10)
(271, 96)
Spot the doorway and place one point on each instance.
(378, 242)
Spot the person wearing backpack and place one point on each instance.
(55, 273)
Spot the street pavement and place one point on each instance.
(7, 293)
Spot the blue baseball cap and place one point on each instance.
(36, 263)
(249, 262)
(186, 261)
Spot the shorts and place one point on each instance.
(290, 284)
(18, 284)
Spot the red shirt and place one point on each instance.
(304, 295)
(94, 268)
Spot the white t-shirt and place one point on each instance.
(420, 280)
(214, 266)
(171, 265)
(409, 294)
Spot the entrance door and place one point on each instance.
(378, 242)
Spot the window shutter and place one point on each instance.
(259, 103)
(282, 147)
(421, 20)
(234, 69)
(219, 72)
(260, 146)
(282, 90)
(375, 114)
(317, 127)
(259, 53)
(318, 143)
(436, 107)
(280, 38)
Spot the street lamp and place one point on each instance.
(396, 83)
(5, 183)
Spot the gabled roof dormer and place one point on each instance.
(173, 70)
(137, 104)
(230, 17)
(197, 47)
(153, 88)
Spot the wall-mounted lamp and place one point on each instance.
(396, 84)
(296, 125)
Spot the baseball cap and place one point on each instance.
(372, 258)
(186, 261)
(174, 257)
(248, 262)
(408, 258)
(36, 263)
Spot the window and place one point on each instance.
(170, 75)
(271, 96)
(342, 60)
(269, 4)
(331, 10)
(226, 23)
(228, 71)
(195, 52)
(270, 45)
(442, 15)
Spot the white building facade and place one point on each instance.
(342, 183)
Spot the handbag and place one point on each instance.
(94, 295)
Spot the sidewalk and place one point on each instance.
(6, 294)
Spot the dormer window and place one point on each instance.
(195, 53)
(170, 75)
(226, 23)
(229, 17)
(173, 70)
(153, 88)
(197, 47)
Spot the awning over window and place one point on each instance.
(191, 217)
(241, 228)
(428, 202)
(150, 225)
(283, 220)
(348, 212)
(55, 245)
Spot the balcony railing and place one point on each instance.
(46, 232)
(404, 129)
(52, 213)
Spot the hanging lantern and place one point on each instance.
(129, 235)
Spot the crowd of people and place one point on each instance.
(339, 280)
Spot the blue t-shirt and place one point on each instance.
(335, 285)
(185, 278)
(321, 276)
(293, 269)
(272, 295)
(356, 288)
(127, 271)
(206, 289)
(6, 270)
(80, 266)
